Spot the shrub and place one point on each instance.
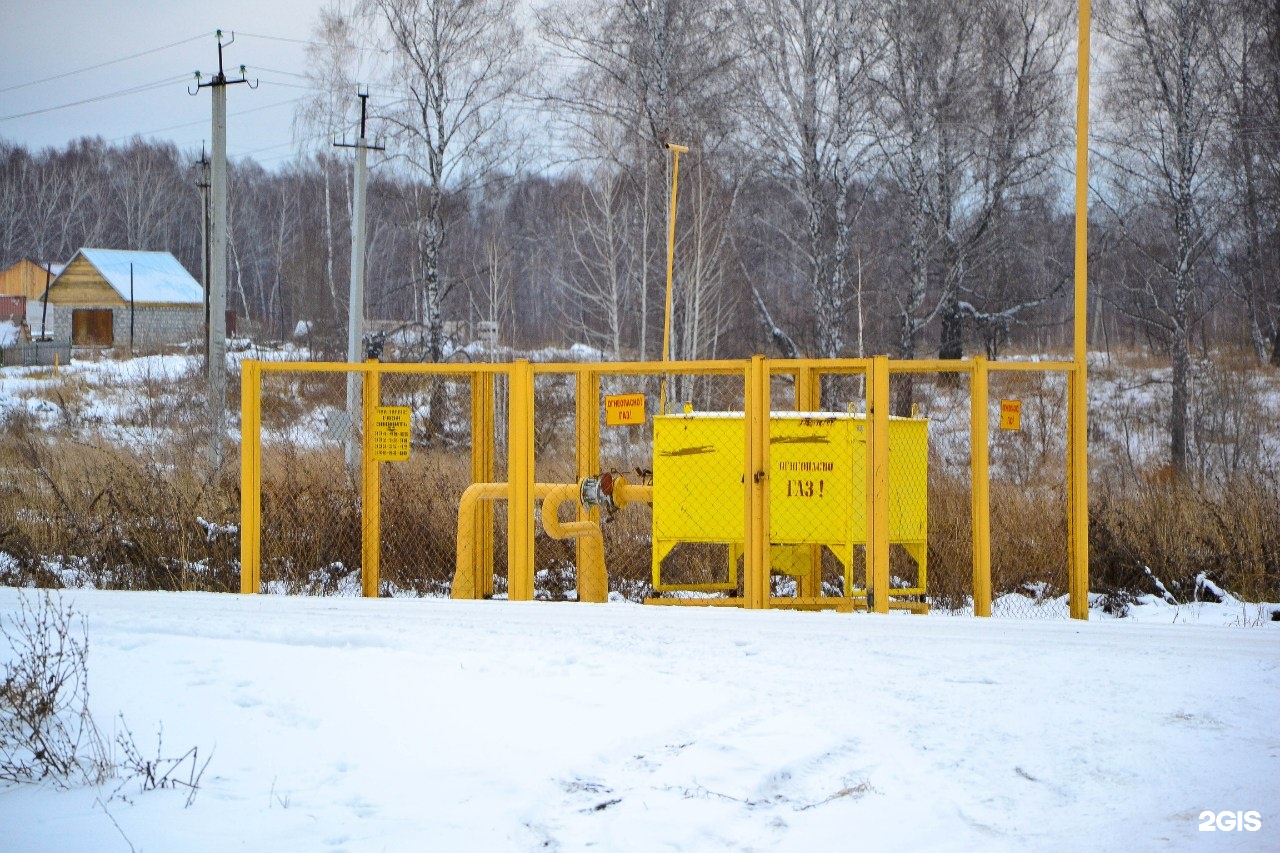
(46, 731)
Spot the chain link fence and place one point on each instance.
(442, 520)
(311, 504)
(420, 495)
(1029, 566)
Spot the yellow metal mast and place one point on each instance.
(1077, 417)
(676, 151)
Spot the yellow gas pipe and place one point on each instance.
(595, 588)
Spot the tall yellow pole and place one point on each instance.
(250, 476)
(980, 491)
(520, 462)
(809, 399)
(878, 485)
(587, 454)
(676, 151)
(755, 567)
(482, 471)
(1078, 401)
(371, 487)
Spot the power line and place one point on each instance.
(206, 121)
(134, 90)
(284, 85)
(101, 64)
(310, 43)
(281, 71)
(277, 38)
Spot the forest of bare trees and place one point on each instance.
(880, 176)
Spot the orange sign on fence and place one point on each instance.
(1011, 414)
(624, 409)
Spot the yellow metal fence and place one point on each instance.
(758, 483)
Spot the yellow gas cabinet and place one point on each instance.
(817, 490)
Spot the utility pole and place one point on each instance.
(217, 323)
(676, 151)
(355, 307)
(202, 183)
(131, 309)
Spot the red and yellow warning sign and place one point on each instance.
(1011, 414)
(624, 409)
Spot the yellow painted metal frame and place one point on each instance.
(980, 493)
(1078, 401)
(676, 151)
(370, 489)
(587, 459)
(482, 471)
(250, 476)
(521, 491)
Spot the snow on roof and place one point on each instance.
(157, 276)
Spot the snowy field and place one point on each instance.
(434, 725)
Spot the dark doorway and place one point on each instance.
(91, 327)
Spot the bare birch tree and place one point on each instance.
(1164, 190)
(458, 66)
(810, 109)
(1247, 33)
(966, 96)
(645, 73)
(336, 55)
(599, 279)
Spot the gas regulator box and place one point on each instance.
(817, 489)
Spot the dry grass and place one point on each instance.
(1179, 530)
(112, 517)
(76, 508)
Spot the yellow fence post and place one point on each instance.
(809, 399)
(250, 476)
(755, 577)
(587, 423)
(520, 484)
(371, 486)
(1077, 496)
(980, 478)
(482, 471)
(878, 485)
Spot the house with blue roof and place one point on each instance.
(110, 297)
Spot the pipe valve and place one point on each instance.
(605, 490)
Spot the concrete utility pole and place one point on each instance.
(202, 182)
(217, 289)
(355, 306)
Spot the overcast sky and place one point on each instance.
(44, 38)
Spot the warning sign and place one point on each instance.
(624, 409)
(391, 433)
(1011, 414)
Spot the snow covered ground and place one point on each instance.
(434, 725)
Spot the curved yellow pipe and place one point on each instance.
(594, 581)
(595, 586)
(466, 580)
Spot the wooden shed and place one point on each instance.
(107, 297)
(27, 278)
(21, 286)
